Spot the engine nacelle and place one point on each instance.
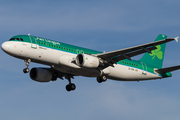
(40, 75)
(87, 61)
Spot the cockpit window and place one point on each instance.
(17, 39)
(12, 39)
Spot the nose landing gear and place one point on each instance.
(26, 70)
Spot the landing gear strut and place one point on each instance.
(101, 79)
(26, 70)
(70, 86)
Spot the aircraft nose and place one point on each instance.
(5, 46)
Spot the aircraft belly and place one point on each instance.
(78, 71)
(125, 73)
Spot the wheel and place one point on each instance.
(26, 70)
(99, 80)
(68, 87)
(73, 86)
(103, 78)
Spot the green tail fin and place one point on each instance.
(156, 57)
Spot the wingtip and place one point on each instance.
(176, 38)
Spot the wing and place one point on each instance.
(113, 57)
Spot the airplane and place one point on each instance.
(66, 61)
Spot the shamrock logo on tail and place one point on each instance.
(157, 52)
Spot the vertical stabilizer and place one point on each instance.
(156, 56)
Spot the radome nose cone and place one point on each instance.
(5, 46)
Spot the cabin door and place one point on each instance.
(33, 42)
(144, 66)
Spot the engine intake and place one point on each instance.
(40, 75)
(87, 61)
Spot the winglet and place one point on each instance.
(176, 38)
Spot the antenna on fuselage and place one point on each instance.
(29, 34)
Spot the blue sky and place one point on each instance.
(100, 25)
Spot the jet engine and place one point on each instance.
(40, 75)
(87, 61)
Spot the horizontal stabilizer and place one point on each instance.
(176, 38)
(169, 69)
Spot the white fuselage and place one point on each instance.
(63, 62)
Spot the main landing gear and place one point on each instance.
(101, 79)
(26, 70)
(70, 86)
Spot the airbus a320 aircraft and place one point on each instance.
(66, 60)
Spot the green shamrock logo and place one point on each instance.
(157, 52)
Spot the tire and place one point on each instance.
(26, 70)
(99, 80)
(68, 87)
(73, 86)
(103, 78)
